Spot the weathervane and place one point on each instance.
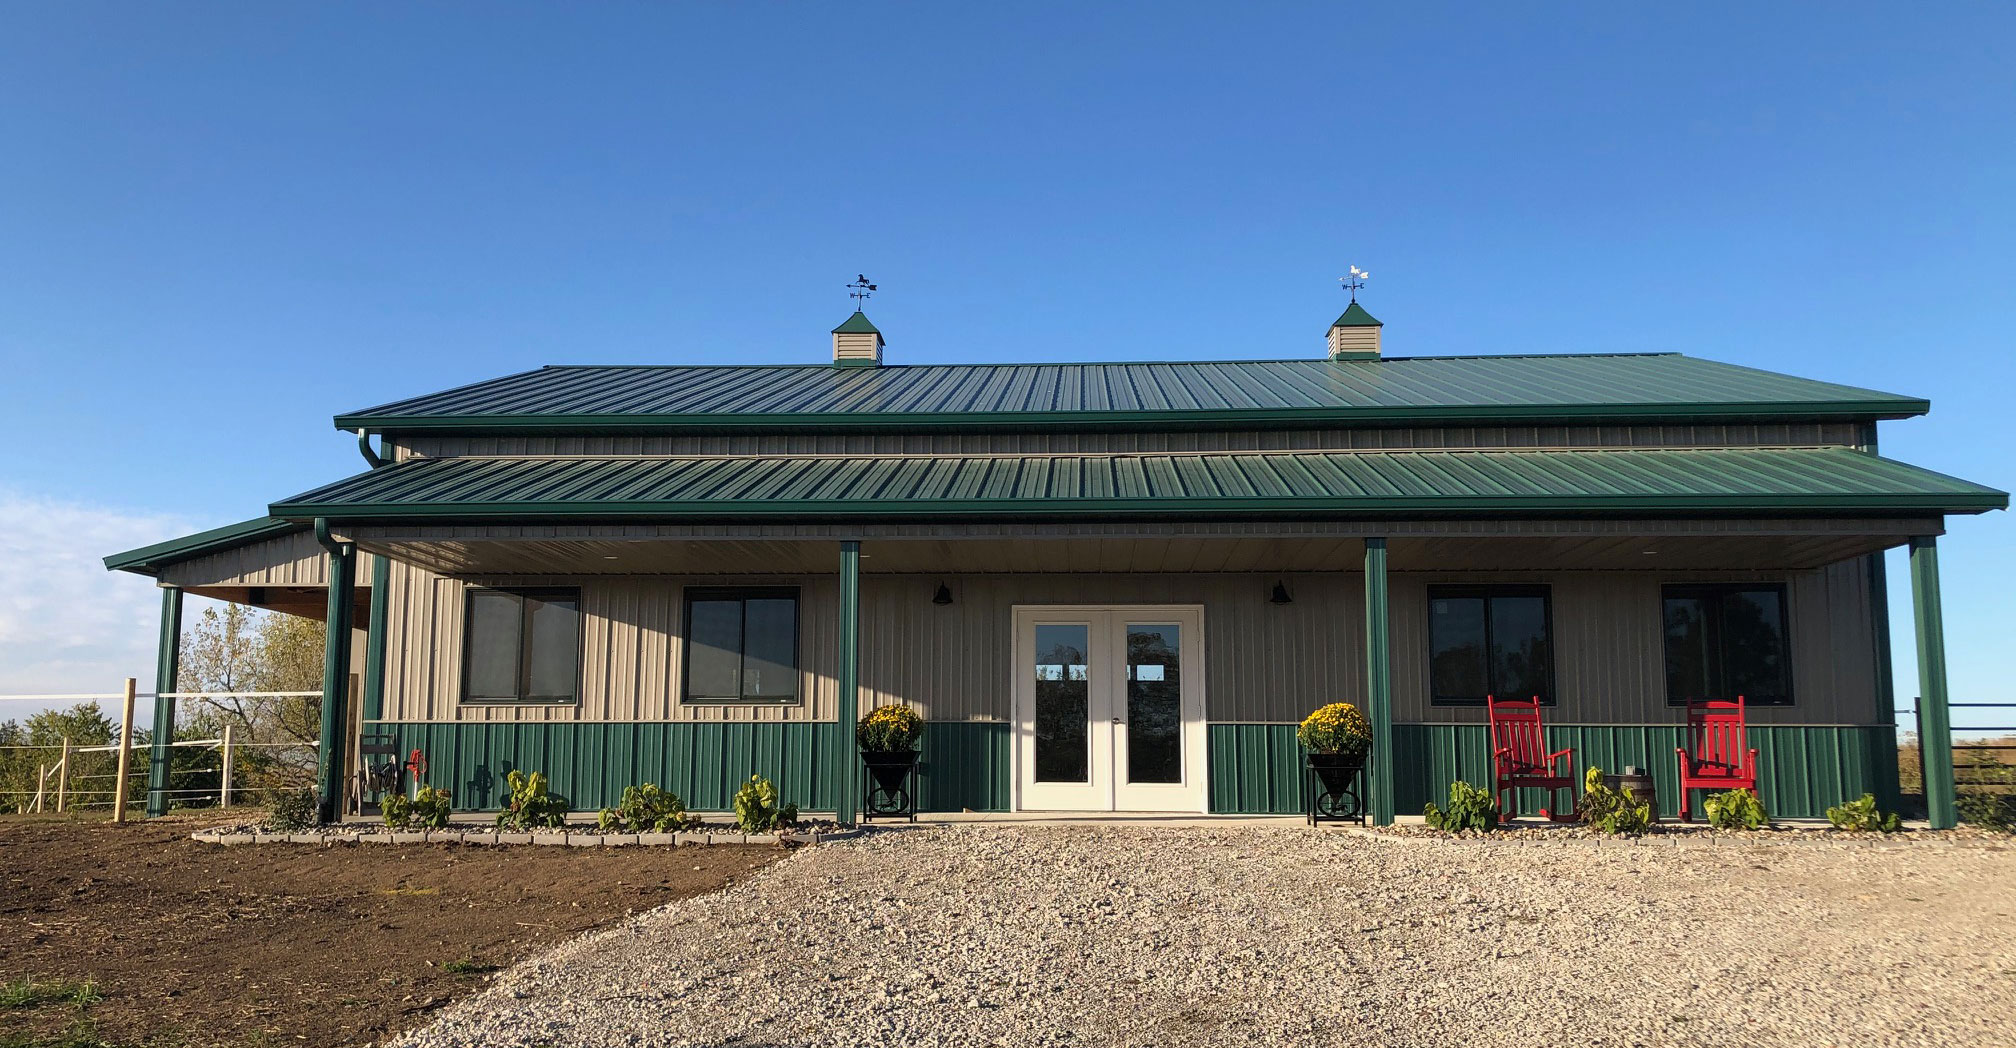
(859, 291)
(1355, 281)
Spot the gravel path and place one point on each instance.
(1141, 936)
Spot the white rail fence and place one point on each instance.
(60, 785)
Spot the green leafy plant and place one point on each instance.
(397, 811)
(1737, 809)
(756, 809)
(646, 809)
(293, 810)
(1612, 811)
(1989, 811)
(467, 966)
(889, 729)
(531, 805)
(1863, 816)
(431, 807)
(1470, 808)
(27, 992)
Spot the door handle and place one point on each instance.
(1117, 720)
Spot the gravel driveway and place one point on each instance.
(1103, 935)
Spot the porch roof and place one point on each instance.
(149, 560)
(1131, 395)
(1146, 486)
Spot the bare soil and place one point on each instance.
(199, 945)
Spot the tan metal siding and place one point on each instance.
(630, 652)
(1609, 646)
(290, 560)
(1801, 434)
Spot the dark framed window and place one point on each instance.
(521, 645)
(741, 645)
(1728, 640)
(1490, 640)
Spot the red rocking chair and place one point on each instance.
(1519, 757)
(1722, 757)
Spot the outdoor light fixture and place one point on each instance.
(1280, 594)
(943, 596)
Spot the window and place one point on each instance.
(741, 645)
(1489, 640)
(521, 645)
(1725, 641)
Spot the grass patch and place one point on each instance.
(27, 992)
(82, 1035)
(468, 966)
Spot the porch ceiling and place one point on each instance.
(1296, 550)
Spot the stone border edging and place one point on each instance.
(564, 837)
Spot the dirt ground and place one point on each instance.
(198, 945)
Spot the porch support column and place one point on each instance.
(1935, 721)
(848, 673)
(335, 671)
(374, 639)
(167, 667)
(1379, 681)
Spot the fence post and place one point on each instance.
(41, 785)
(224, 778)
(125, 754)
(63, 778)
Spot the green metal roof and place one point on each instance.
(1354, 484)
(857, 325)
(1232, 394)
(1354, 315)
(149, 560)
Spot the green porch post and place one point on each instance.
(849, 674)
(1935, 721)
(374, 639)
(335, 671)
(167, 667)
(1379, 681)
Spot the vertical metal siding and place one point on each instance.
(1804, 770)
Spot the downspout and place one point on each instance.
(371, 455)
(335, 671)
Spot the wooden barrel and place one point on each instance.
(1641, 784)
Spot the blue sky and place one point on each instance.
(222, 224)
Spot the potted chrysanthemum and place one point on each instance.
(1337, 737)
(888, 738)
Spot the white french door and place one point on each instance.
(1109, 708)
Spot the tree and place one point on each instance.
(238, 650)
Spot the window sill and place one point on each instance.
(519, 702)
(767, 704)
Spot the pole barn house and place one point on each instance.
(1105, 586)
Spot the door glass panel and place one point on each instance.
(1154, 704)
(1063, 694)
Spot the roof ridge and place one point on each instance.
(818, 366)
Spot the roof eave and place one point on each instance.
(149, 560)
(1858, 411)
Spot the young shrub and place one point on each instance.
(756, 809)
(1737, 809)
(397, 810)
(1616, 812)
(889, 729)
(532, 807)
(1862, 816)
(1989, 811)
(1336, 728)
(646, 809)
(1470, 808)
(431, 808)
(294, 810)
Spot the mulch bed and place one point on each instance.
(195, 945)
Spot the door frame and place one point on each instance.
(1193, 793)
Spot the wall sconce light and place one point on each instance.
(1280, 595)
(943, 596)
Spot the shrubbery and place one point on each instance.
(531, 806)
(1862, 816)
(1610, 810)
(1736, 810)
(756, 808)
(1990, 811)
(1470, 808)
(646, 809)
(429, 808)
(294, 810)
